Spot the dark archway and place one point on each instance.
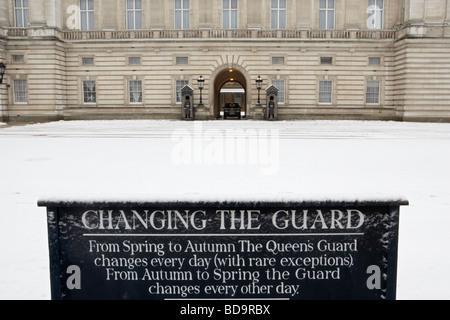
(230, 78)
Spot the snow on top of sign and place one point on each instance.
(224, 198)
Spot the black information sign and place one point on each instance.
(223, 250)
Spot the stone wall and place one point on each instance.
(413, 50)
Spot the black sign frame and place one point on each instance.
(262, 218)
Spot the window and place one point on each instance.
(179, 85)
(18, 58)
(375, 12)
(88, 61)
(277, 60)
(21, 13)
(20, 91)
(181, 14)
(325, 91)
(87, 14)
(134, 14)
(280, 86)
(278, 14)
(134, 61)
(89, 93)
(182, 60)
(374, 61)
(326, 14)
(135, 91)
(326, 60)
(230, 14)
(373, 92)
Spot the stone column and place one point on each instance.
(304, 15)
(52, 14)
(4, 14)
(205, 14)
(352, 17)
(109, 11)
(414, 10)
(37, 13)
(254, 14)
(435, 11)
(157, 15)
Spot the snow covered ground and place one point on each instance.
(246, 159)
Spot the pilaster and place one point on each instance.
(37, 13)
(4, 14)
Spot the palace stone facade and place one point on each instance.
(129, 59)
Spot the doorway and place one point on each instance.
(230, 87)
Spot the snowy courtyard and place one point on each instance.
(226, 160)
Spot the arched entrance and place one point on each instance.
(230, 86)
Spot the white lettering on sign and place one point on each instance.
(350, 219)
